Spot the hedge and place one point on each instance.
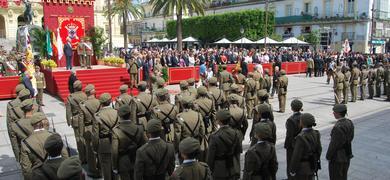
(210, 28)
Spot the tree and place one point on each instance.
(97, 38)
(125, 9)
(276, 37)
(313, 38)
(39, 36)
(178, 8)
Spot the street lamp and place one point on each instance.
(242, 30)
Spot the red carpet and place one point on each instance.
(105, 79)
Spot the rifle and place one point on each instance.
(67, 146)
(52, 124)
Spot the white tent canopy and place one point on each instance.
(190, 39)
(243, 41)
(173, 40)
(223, 41)
(294, 40)
(153, 40)
(269, 41)
(164, 40)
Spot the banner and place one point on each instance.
(72, 29)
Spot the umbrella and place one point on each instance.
(293, 40)
(190, 39)
(243, 41)
(269, 41)
(223, 41)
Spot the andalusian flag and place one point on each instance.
(49, 49)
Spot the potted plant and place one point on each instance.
(51, 64)
(97, 38)
(44, 63)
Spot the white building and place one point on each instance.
(337, 20)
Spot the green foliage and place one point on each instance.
(179, 7)
(164, 73)
(39, 36)
(313, 38)
(276, 37)
(214, 27)
(301, 37)
(97, 38)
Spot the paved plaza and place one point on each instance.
(370, 146)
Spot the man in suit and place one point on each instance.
(68, 54)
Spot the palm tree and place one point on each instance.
(178, 8)
(125, 9)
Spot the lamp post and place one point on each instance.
(242, 30)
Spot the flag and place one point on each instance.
(60, 46)
(4, 4)
(17, 2)
(49, 49)
(54, 44)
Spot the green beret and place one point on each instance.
(19, 88)
(53, 141)
(223, 115)
(37, 117)
(24, 92)
(308, 120)
(154, 125)
(124, 110)
(263, 129)
(77, 85)
(105, 97)
(282, 72)
(183, 84)
(296, 104)
(142, 84)
(262, 93)
(161, 92)
(70, 167)
(338, 108)
(232, 98)
(160, 82)
(89, 88)
(202, 90)
(264, 108)
(213, 80)
(191, 81)
(234, 87)
(27, 102)
(186, 100)
(124, 88)
(189, 145)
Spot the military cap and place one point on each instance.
(232, 97)
(364, 66)
(53, 141)
(264, 108)
(105, 97)
(282, 72)
(160, 82)
(234, 87)
(123, 87)
(70, 167)
(191, 81)
(154, 125)
(161, 92)
(296, 104)
(183, 84)
(263, 129)
(24, 92)
(142, 84)
(124, 110)
(338, 108)
(27, 102)
(189, 145)
(213, 80)
(223, 115)
(308, 120)
(250, 74)
(89, 88)
(19, 88)
(186, 100)
(262, 93)
(354, 64)
(202, 90)
(77, 84)
(37, 117)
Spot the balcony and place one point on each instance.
(309, 19)
(293, 19)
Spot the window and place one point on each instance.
(289, 10)
(351, 6)
(307, 8)
(327, 8)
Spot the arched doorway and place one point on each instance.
(21, 21)
(2, 27)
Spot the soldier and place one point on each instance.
(250, 94)
(234, 90)
(339, 152)
(89, 53)
(347, 78)
(90, 107)
(330, 70)
(16, 112)
(40, 84)
(364, 75)
(133, 70)
(380, 73)
(293, 128)
(15, 102)
(224, 149)
(275, 80)
(338, 85)
(225, 80)
(282, 90)
(263, 96)
(355, 74)
(216, 94)
(191, 169)
(192, 88)
(371, 82)
(205, 106)
(145, 103)
(81, 52)
(21, 128)
(70, 169)
(127, 137)
(239, 77)
(387, 82)
(266, 81)
(257, 76)
(305, 160)
(124, 98)
(260, 160)
(33, 152)
(239, 119)
(265, 118)
(166, 113)
(156, 158)
(183, 92)
(106, 120)
(192, 125)
(48, 170)
(75, 117)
